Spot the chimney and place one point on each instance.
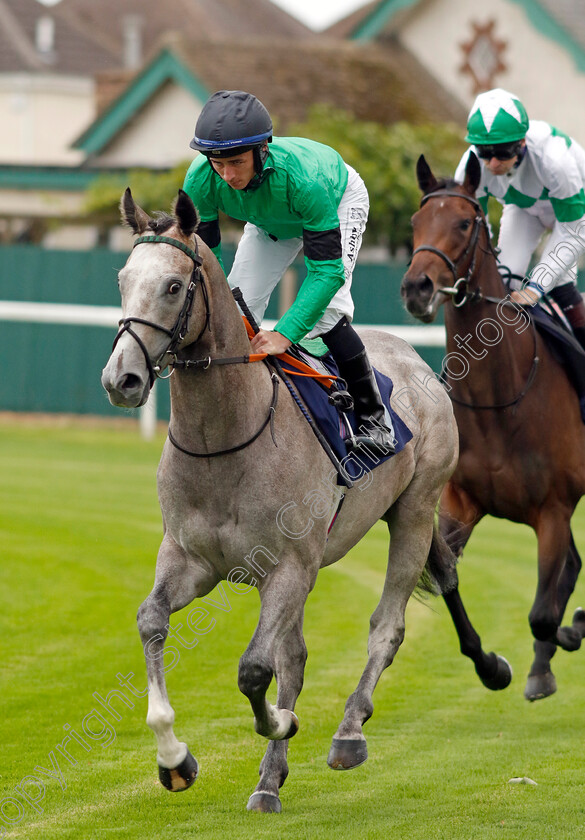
(132, 36)
(45, 38)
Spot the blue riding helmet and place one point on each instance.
(230, 122)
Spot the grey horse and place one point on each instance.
(247, 493)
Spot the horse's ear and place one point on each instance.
(426, 179)
(187, 215)
(472, 174)
(133, 215)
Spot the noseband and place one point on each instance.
(459, 291)
(178, 332)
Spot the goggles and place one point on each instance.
(502, 151)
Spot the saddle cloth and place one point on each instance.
(563, 345)
(333, 423)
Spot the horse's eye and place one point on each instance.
(465, 224)
(174, 288)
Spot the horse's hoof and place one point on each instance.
(181, 777)
(502, 676)
(345, 754)
(264, 803)
(569, 638)
(540, 686)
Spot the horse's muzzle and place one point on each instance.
(125, 390)
(418, 293)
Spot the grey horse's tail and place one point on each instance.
(440, 572)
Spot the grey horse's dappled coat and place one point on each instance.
(259, 516)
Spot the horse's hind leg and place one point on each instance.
(178, 580)
(411, 529)
(277, 649)
(457, 518)
(541, 681)
(493, 670)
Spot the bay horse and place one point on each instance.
(247, 495)
(521, 436)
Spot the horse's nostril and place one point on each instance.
(422, 285)
(130, 382)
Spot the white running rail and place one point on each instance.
(108, 316)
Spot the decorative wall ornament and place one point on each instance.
(483, 56)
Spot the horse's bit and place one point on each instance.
(459, 291)
(178, 332)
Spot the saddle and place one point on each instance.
(555, 331)
(323, 400)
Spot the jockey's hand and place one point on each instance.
(273, 343)
(526, 296)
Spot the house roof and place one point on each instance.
(73, 52)
(346, 26)
(89, 36)
(378, 85)
(561, 20)
(196, 19)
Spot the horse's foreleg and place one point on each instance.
(569, 638)
(289, 669)
(554, 539)
(411, 529)
(276, 649)
(553, 592)
(458, 516)
(177, 582)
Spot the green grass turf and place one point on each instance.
(80, 527)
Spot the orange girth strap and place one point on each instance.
(301, 368)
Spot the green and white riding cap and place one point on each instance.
(496, 116)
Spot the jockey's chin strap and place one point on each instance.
(459, 291)
(178, 332)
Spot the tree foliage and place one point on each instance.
(151, 190)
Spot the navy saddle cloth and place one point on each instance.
(564, 347)
(331, 422)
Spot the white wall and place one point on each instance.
(40, 116)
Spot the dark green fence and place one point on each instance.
(57, 368)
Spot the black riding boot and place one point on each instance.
(569, 299)
(354, 366)
(373, 434)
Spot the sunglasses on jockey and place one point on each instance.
(501, 151)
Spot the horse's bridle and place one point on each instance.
(459, 291)
(178, 332)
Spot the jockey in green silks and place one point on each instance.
(538, 174)
(291, 193)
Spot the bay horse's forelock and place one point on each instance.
(522, 440)
(259, 515)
